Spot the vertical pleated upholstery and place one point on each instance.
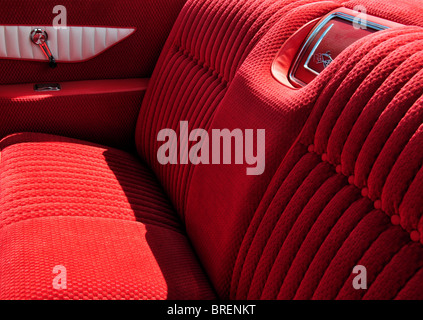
(330, 204)
(208, 43)
(349, 191)
(200, 78)
(222, 199)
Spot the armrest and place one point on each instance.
(101, 111)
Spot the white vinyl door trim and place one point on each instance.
(70, 44)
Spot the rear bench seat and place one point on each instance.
(342, 184)
(98, 212)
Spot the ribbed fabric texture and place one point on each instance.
(98, 212)
(350, 179)
(104, 259)
(61, 172)
(207, 45)
(222, 199)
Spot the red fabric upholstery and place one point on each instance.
(355, 165)
(207, 45)
(98, 212)
(342, 185)
(195, 80)
(211, 88)
(223, 198)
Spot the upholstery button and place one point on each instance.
(378, 204)
(415, 236)
(339, 168)
(311, 148)
(324, 157)
(351, 180)
(395, 220)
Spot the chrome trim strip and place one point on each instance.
(314, 50)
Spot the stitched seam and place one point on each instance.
(201, 64)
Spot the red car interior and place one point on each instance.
(80, 184)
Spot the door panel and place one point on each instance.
(133, 57)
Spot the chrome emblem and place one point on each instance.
(324, 58)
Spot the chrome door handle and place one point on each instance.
(39, 37)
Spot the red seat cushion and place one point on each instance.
(98, 212)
